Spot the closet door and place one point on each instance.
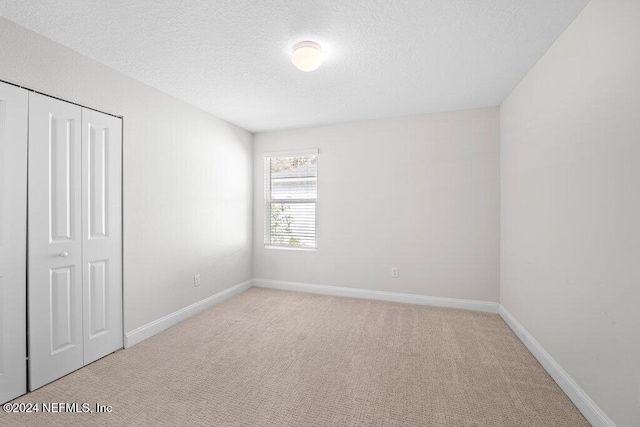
(102, 233)
(13, 242)
(55, 240)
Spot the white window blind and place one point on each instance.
(291, 190)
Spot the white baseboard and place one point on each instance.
(150, 329)
(583, 402)
(487, 307)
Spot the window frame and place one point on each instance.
(268, 201)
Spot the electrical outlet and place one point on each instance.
(394, 272)
(196, 280)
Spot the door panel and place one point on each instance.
(13, 241)
(55, 239)
(102, 233)
(61, 179)
(98, 307)
(61, 289)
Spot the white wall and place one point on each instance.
(571, 204)
(418, 193)
(187, 177)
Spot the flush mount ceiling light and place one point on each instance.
(307, 56)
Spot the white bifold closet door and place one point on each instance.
(13, 241)
(101, 233)
(75, 243)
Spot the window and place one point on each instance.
(290, 193)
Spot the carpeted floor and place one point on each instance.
(275, 358)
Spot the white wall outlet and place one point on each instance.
(394, 272)
(196, 280)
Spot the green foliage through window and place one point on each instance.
(281, 233)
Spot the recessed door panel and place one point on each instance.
(13, 240)
(102, 233)
(61, 295)
(98, 181)
(99, 287)
(55, 239)
(61, 178)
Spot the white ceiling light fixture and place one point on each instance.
(307, 56)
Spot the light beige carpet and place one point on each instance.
(275, 358)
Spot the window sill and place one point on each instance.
(285, 248)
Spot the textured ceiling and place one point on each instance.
(383, 58)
